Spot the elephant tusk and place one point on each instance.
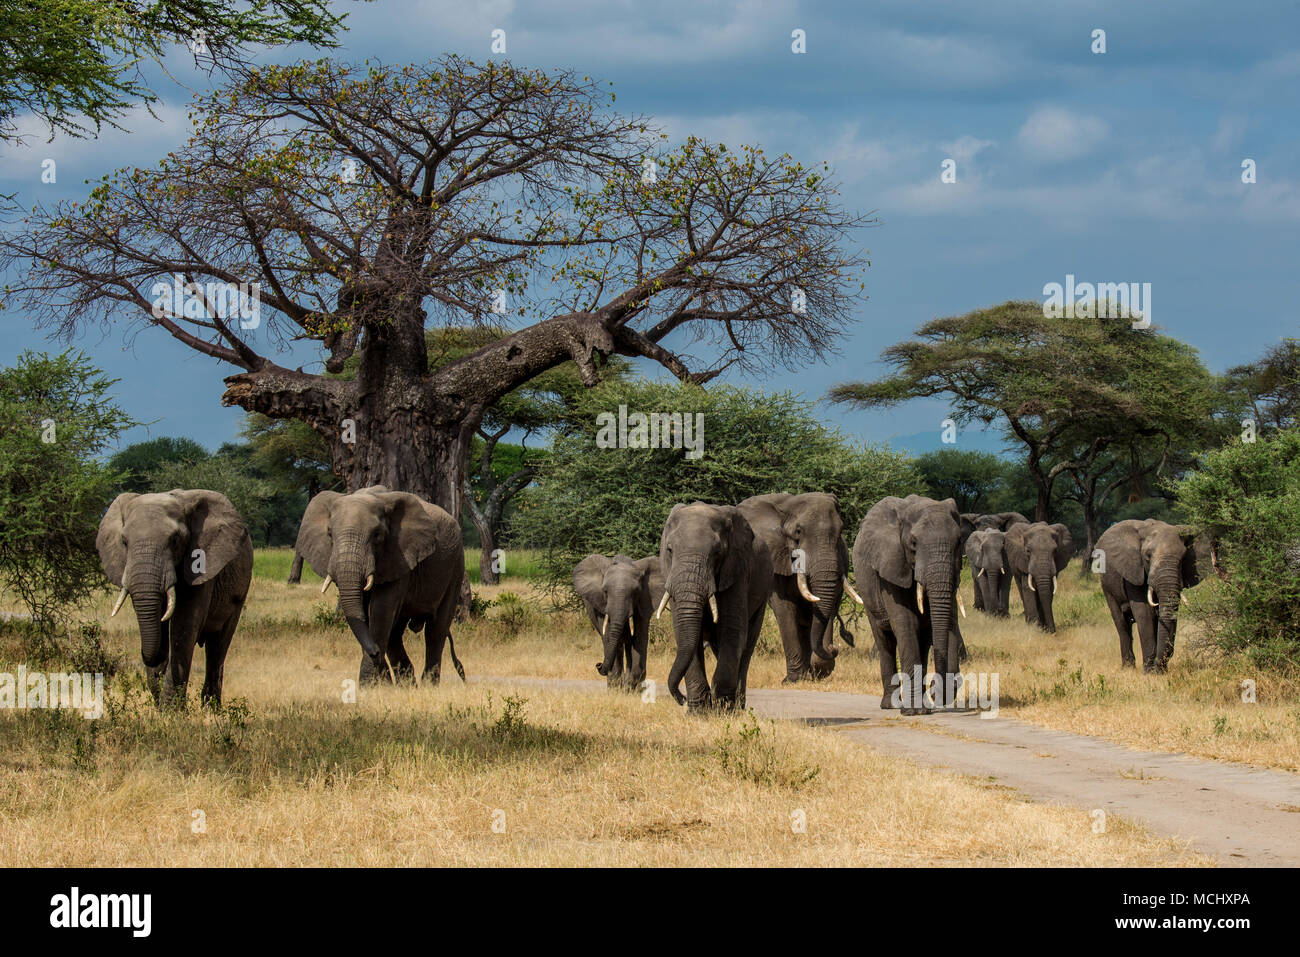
(1151, 600)
(370, 583)
(979, 573)
(920, 598)
(1002, 571)
(1030, 579)
(604, 625)
(961, 606)
(852, 594)
(713, 607)
(663, 603)
(171, 603)
(802, 581)
(1053, 584)
(118, 606)
(325, 584)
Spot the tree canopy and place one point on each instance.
(369, 202)
(1091, 399)
(77, 64)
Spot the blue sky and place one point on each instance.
(1123, 166)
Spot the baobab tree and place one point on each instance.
(372, 203)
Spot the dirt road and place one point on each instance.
(1244, 816)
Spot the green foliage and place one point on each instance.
(590, 499)
(228, 474)
(75, 64)
(1247, 497)
(141, 458)
(1268, 390)
(1092, 401)
(972, 479)
(744, 751)
(57, 418)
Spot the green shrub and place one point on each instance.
(1247, 496)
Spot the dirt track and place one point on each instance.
(1244, 816)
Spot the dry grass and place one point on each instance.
(1071, 681)
(290, 774)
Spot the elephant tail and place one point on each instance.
(460, 669)
(845, 635)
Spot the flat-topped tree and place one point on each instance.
(371, 202)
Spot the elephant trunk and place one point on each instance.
(940, 594)
(612, 639)
(350, 572)
(1168, 586)
(1044, 590)
(150, 579)
(828, 586)
(691, 589)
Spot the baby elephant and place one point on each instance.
(1148, 564)
(186, 560)
(620, 595)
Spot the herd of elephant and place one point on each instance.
(185, 559)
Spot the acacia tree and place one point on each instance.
(1081, 395)
(371, 202)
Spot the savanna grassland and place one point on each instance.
(289, 773)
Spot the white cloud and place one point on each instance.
(1054, 133)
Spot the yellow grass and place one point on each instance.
(1071, 680)
(291, 774)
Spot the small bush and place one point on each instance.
(1247, 496)
(747, 752)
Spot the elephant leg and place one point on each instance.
(403, 670)
(1004, 597)
(887, 655)
(215, 646)
(1027, 600)
(154, 678)
(924, 645)
(913, 649)
(638, 644)
(183, 635)
(726, 670)
(979, 592)
(751, 642)
(698, 696)
(1144, 617)
(785, 609)
(437, 633)
(1124, 626)
(381, 610)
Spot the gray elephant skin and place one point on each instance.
(186, 560)
(907, 560)
(397, 562)
(810, 565)
(972, 522)
(986, 551)
(717, 577)
(1036, 554)
(620, 595)
(1148, 564)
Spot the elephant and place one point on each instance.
(620, 595)
(718, 577)
(397, 561)
(907, 560)
(190, 549)
(972, 522)
(986, 550)
(1036, 554)
(806, 593)
(1148, 563)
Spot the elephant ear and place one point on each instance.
(1017, 552)
(740, 546)
(112, 553)
(969, 521)
(1064, 550)
(652, 591)
(217, 528)
(1196, 563)
(972, 549)
(767, 521)
(1007, 519)
(884, 529)
(313, 534)
(412, 535)
(589, 581)
(1122, 547)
